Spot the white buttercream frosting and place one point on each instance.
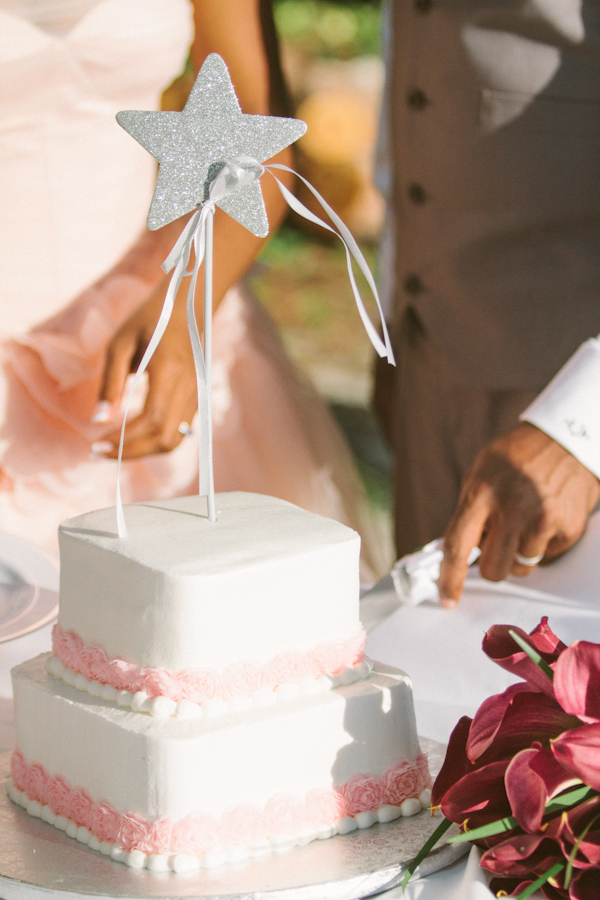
(182, 592)
(173, 767)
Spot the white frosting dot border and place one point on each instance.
(181, 863)
(164, 708)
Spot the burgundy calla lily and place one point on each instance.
(456, 764)
(522, 855)
(578, 751)
(577, 681)
(479, 797)
(488, 720)
(510, 887)
(499, 646)
(580, 831)
(532, 778)
(529, 716)
(586, 885)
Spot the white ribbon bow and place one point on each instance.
(234, 175)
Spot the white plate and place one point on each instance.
(28, 587)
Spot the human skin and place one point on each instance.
(242, 32)
(524, 493)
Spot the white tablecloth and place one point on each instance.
(441, 649)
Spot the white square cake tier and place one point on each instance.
(182, 592)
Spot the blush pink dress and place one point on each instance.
(74, 193)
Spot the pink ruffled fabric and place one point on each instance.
(49, 383)
(283, 815)
(241, 679)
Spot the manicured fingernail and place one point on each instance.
(448, 602)
(102, 412)
(100, 447)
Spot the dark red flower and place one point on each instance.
(528, 716)
(501, 648)
(456, 762)
(581, 827)
(577, 681)
(578, 751)
(521, 855)
(510, 887)
(586, 885)
(489, 718)
(532, 778)
(479, 797)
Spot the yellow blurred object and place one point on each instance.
(337, 27)
(339, 184)
(337, 157)
(342, 127)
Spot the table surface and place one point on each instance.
(441, 649)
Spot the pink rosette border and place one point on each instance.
(283, 814)
(200, 685)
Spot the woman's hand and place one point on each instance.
(171, 399)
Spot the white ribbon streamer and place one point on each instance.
(234, 175)
(383, 348)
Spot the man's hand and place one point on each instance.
(171, 398)
(525, 494)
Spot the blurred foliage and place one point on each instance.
(303, 284)
(377, 487)
(313, 279)
(329, 29)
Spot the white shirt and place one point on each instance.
(568, 409)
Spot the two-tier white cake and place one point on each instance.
(208, 697)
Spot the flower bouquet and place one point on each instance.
(522, 779)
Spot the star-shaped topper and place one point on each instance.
(191, 146)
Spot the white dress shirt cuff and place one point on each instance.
(568, 409)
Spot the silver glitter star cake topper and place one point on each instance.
(212, 154)
(191, 146)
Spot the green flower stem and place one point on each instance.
(570, 799)
(533, 655)
(541, 881)
(573, 854)
(427, 846)
(488, 830)
(565, 801)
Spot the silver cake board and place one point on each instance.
(37, 861)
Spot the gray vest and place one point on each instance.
(495, 143)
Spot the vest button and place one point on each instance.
(417, 99)
(423, 6)
(413, 284)
(416, 193)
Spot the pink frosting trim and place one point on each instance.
(238, 680)
(284, 814)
